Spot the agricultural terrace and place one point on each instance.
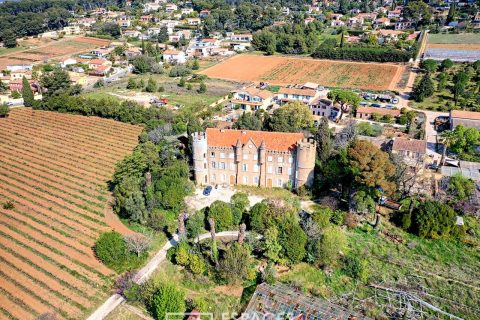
(54, 170)
(284, 70)
(51, 50)
(458, 47)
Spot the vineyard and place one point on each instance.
(285, 70)
(54, 170)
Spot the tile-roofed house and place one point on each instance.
(296, 94)
(468, 119)
(256, 158)
(252, 99)
(367, 112)
(412, 150)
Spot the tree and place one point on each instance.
(55, 83)
(460, 81)
(255, 217)
(9, 38)
(423, 89)
(137, 243)
(221, 212)
(239, 203)
(195, 65)
(347, 99)
(461, 187)
(442, 81)
(464, 140)
(151, 85)
(293, 240)
(324, 140)
(265, 40)
(3, 87)
(112, 29)
(433, 219)
(370, 166)
(4, 110)
(446, 64)
(163, 35)
(249, 121)
(292, 117)
(181, 83)
(135, 207)
(332, 243)
(417, 11)
(196, 224)
(363, 203)
(429, 65)
(144, 64)
(111, 249)
(167, 299)
(132, 84)
(272, 245)
(447, 137)
(202, 88)
(235, 264)
(355, 267)
(196, 264)
(27, 93)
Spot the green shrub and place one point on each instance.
(221, 212)
(167, 299)
(355, 267)
(112, 250)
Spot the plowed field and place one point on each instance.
(54, 169)
(285, 70)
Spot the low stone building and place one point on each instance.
(468, 119)
(412, 151)
(255, 158)
(368, 112)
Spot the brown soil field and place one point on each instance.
(455, 46)
(49, 50)
(54, 169)
(282, 70)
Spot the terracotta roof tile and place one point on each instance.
(465, 114)
(413, 145)
(382, 111)
(302, 92)
(278, 141)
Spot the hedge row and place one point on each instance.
(364, 54)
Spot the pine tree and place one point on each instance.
(424, 88)
(27, 93)
(132, 84)
(202, 88)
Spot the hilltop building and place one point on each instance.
(255, 158)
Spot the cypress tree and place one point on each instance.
(27, 93)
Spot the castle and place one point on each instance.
(254, 158)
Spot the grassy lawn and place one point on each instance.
(454, 38)
(4, 51)
(122, 313)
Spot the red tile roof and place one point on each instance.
(301, 92)
(465, 114)
(278, 141)
(383, 111)
(413, 145)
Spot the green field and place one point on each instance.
(465, 38)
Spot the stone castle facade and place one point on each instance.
(254, 158)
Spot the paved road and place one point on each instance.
(143, 274)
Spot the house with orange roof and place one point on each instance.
(296, 94)
(252, 99)
(254, 158)
(367, 113)
(174, 56)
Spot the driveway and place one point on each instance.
(198, 201)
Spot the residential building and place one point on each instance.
(255, 158)
(204, 13)
(68, 62)
(394, 14)
(467, 119)
(202, 48)
(124, 22)
(368, 112)
(296, 94)
(131, 33)
(187, 11)
(194, 21)
(17, 67)
(151, 7)
(412, 151)
(174, 56)
(71, 30)
(171, 8)
(244, 37)
(252, 99)
(402, 25)
(382, 22)
(17, 85)
(132, 52)
(322, 107)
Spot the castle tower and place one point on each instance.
(200, 163)
(306, 153)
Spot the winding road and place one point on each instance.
(143, 274)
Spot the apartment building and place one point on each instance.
(255, 158)
(252, 99)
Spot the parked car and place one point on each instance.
(395, 100)
(364, 104)
(389, 106)
(207, 190)
(376, 105)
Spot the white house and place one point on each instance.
(171, 8)
(68, 62)
(173, 56)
